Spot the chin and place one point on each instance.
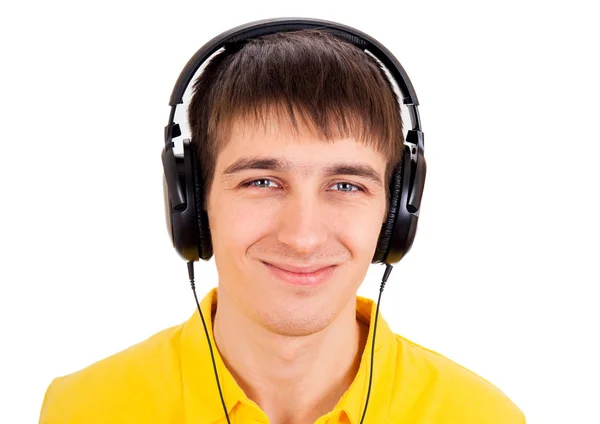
(296, 322)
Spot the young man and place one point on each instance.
(297, 136)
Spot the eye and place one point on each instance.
(256, 183)
(347, 187)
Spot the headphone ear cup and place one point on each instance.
(383, 242)
(205, 248)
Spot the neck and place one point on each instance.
(293, 379)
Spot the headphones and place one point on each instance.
(187, 221)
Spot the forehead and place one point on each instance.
(303, 151)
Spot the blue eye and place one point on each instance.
(350, 185)
(252, 183)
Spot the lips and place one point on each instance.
(319, 275)
(298, 269)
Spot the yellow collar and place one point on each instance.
(201, 394)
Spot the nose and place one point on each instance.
(303, 223)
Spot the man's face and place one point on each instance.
(298, 216)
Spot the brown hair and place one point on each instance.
(338, 89)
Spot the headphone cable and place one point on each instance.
(190, 266)
(386, 274)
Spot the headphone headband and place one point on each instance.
(270, 26)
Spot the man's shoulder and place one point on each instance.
(144, 373)
(447, 391)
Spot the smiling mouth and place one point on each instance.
(299, 270)
(304, 278)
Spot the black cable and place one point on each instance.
(386, 274)
(190, 265)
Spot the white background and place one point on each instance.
(502, 277)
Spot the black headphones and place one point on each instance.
(187, 220)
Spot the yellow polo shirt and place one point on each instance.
(169, 378)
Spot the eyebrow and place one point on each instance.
(283, 165)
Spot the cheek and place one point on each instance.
(359, 232)
(236, 225)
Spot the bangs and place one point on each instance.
(329, 126)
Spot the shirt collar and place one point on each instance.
(201, 394)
